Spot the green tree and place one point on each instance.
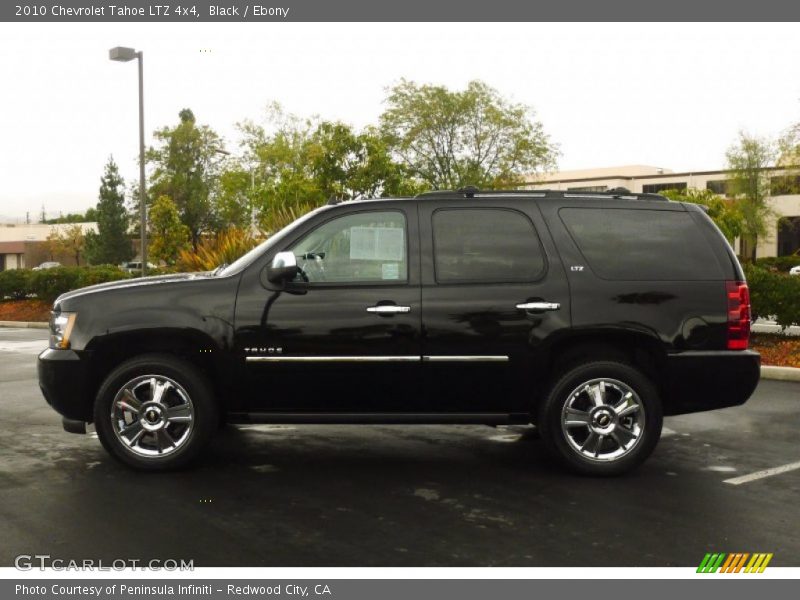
(110, 244)
(748, 159)
(186, 164)
(168, 236)
(87, 217)
(292, 165)
(348, 164)
(450, 139)
(723, 211)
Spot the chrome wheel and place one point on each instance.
(603, 419)
(152, 416)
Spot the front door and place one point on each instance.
(345, 335)
(493, 292)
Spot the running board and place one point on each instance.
(380, 418)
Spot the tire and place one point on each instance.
(155, 412)
(601, 418)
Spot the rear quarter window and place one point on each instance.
(641, 244)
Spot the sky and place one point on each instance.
(667, 95)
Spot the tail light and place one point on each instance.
(738, 314)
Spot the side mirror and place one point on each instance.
(283, 267)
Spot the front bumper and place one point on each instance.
(707, 380)
(63, 379)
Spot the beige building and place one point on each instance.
(783, 236)
(24, 246)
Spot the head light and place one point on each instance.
(61, 325)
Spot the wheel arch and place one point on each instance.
(194, 346)
(637, 348)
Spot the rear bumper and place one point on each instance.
(698, 381)
(63, 377)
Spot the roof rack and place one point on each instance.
(473, 192)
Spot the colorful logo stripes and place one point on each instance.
(735, 562)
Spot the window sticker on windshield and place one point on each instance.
(376, 243)
(390, 271)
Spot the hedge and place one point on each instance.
(48, 284)
(15, 283)
(774, 295)
(778, 263)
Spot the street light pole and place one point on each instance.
(122, 54)
(142, 191)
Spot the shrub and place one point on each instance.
(774, 295)
(15, 283)
(102, 274)
(778, 263)
(49, 284)
(225, 248)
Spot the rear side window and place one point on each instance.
(485, 245)
(643, 245)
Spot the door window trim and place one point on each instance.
(359, 284)
(545, 262)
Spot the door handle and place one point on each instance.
(541, 306)
(388, 309)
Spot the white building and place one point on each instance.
(783, 235)
(23, 245)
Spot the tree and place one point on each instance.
(451, 139)
(185, 169)
(748, 159)
(111, 244)
(89, 216)
(723, 211)
(348, 165)
(293, 164)
(67, 240)
(168, 236)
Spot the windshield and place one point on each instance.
(245, 260)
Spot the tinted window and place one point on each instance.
(641, 244)
(357, 248)
(655, 188)
(487, 245)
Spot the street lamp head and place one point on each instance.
(122, 54)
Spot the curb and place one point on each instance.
(32, 325)
(780, 373)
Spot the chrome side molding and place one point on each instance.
(373, 359)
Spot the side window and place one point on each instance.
(485, 245)
(368, 247)
(641, 244)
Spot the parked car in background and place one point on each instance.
(590, 315)
(47, 265)
(135, 266)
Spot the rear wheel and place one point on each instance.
(601, 418)
(155, 412)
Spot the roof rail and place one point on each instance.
(473, 192)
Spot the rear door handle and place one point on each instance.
(540, 306)
(388, 309)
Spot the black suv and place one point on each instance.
(589, 315)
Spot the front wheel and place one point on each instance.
(601, 418)
(155, 412)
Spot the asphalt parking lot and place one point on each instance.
(396, 495)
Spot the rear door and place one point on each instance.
(493, 294)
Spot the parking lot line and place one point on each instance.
(762, 474)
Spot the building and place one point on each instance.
(783, 237)
(24, 246)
